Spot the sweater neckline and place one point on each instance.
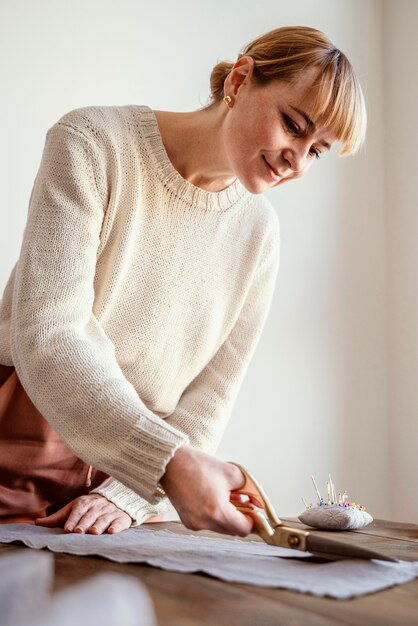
(195, 196)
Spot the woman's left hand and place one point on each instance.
(92, 513)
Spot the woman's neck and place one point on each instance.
(194, 145)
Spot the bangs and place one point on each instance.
(285, 54)
(340, 104)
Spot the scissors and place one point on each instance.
(251, 500)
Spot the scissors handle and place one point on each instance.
(257, 496)
(251, 500)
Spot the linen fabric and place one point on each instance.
(137, 301)
(231, 560)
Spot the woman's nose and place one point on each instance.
(296, 158)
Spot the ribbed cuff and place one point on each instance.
(125, 499)
(143, 460)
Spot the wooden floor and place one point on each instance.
(195, 599)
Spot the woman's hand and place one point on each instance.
(92, 513)
(199, 487)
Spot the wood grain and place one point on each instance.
(197, 599)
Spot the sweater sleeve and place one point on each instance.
(61, 353)
(206, 404)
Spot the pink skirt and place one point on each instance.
(38, 473)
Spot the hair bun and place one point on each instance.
(217, 79)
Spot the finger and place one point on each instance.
(123, 522)
(228, 521)
(102, 523)
(113, 522)
(94, 503)
(243, 523)
(55, 519)
(235, 477)
(86, 519)
(235, 522)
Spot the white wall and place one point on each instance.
(400, 55)
(315, 396)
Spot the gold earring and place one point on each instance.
(228, 101)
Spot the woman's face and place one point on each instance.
(269, 135)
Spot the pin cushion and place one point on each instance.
(336, 513)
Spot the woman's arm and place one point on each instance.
(206, 404)
(62, 355)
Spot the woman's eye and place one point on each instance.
(315, 153)
(291, 125)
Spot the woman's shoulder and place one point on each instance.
(100, 124)
(265, 214)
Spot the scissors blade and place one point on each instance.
(270, 528)
(331, 548)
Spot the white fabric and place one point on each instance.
(334, 517)
(232, 560)
(105, 599)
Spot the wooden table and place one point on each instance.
(194, 599)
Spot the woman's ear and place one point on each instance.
(240, 73)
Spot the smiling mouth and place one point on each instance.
(271, 169)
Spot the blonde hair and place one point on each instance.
(283, 53)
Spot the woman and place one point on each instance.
(144, 280)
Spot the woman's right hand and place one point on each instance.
(199, 487)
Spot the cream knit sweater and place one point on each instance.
(137, 301)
